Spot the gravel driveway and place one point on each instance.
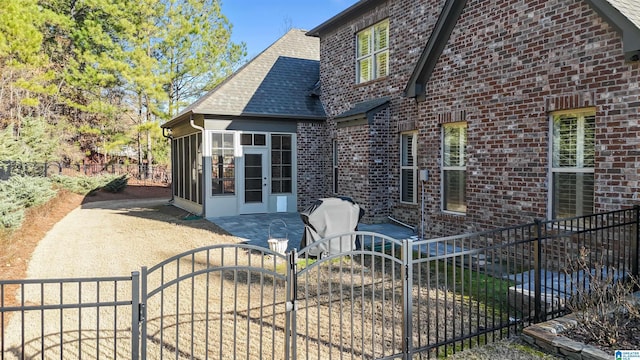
(99, 239)
(114, 238)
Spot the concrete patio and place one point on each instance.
(254, 228)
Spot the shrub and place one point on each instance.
(117, 185)
(82, 184)
(600, 299)
(11, 213)
(19, 193)
(27, 191)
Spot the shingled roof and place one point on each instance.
(278, 83)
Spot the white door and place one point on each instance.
(255, 182)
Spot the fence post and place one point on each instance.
(143, 313)
(291, 307)
(635, 243)
(135, 315)
(407, 300)
(537, 268)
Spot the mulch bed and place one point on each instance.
(627, 339)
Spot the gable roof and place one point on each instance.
(352, 11)
(277, 83)
(624, 15)
(365, 109)
(437, 41)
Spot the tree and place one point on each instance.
(97, 75)
(195, 49)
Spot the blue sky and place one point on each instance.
(261, 22)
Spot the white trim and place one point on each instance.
(462, 155)
(372, 54)
(413, 166)
(554, 143)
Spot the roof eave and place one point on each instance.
(629, 31)
(186, 116)
(365, 114)
(416, 88)
(284, 116)
(355, 9)
(178, 119)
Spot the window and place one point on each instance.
(408, 167)
(335, 166)
(372, 52)
(573, 161)
(248, 139)
(223, 164)
(454, 167)
(281, 164)
(187, 167)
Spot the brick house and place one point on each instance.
(518, 109)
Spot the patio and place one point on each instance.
(254, 228)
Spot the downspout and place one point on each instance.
(204, 149)
(173, 183)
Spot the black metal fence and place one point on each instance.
(153, 173)
(386, 299)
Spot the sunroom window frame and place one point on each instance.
(225, 166)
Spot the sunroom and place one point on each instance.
(234, 151)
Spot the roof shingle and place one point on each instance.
(277, 82)
(629, 8)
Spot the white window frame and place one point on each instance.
(372, 54)
(410, 165)
(580, 166)
(234, 148)
(291, 178)
(461, 155)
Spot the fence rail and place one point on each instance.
(70, 318)
(381, 299)
(153, 173)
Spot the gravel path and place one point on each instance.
(114, 238)
(99, 239)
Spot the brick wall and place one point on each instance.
(507, 66)
(313, 161)
(364, 160)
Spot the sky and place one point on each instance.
(259, 23)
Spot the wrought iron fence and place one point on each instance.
(382, 299)
(70, 318)
(153, 173)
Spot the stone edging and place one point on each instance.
(548, 336)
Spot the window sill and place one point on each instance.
(408, 203)
(371, 82)
(450, 213)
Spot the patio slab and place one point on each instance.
(254, 228)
